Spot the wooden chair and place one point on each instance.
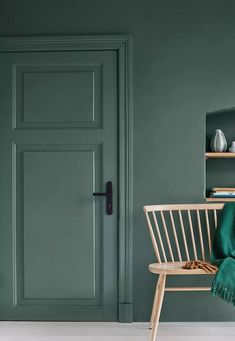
(179, 233)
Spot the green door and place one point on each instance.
(58, 145)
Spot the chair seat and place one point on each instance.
(174, 268)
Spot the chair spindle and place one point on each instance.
(200, 235)
(208, 230)
(215, 218)
(192, 234)
(175, 236)
(184, 237)
(155, 246)
(159, 236)
(167, 236)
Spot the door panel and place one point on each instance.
(56, 191)
(58, 146)
(43, 100)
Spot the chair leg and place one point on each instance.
(157, 305)
(154, 303)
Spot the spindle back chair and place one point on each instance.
(179, 233)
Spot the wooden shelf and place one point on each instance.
(219, 155)
(219, 199)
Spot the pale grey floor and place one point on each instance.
(71, 331)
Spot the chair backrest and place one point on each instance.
(182, 232)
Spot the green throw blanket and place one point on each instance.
(223, 255)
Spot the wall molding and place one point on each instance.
(65, 43)
(122, 44)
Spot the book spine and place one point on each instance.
(224, 193)
(223, 196)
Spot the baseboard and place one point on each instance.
(125, 313)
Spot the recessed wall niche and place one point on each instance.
(219, 167)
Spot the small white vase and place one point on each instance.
(232, 148)
(218, 142)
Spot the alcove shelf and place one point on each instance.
(211, 155)
(219, 167)
(219, 199)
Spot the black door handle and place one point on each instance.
(109, 197)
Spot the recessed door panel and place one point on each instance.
(57, 96)
(61, 232)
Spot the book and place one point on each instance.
(218, 189)
(222, 196)
(212, 195)
(224, 193)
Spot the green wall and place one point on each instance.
(184, 66)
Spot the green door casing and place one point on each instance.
(58, 145)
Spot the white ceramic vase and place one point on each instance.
(218, 142)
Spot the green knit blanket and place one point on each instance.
(223, 255)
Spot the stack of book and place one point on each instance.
(223, 192)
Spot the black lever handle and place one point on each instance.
(109, 197)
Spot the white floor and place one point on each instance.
(71, 331)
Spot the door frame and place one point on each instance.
(122, 44)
